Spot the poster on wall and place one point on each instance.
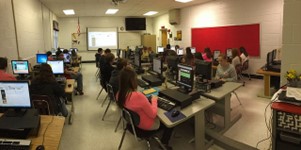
(75, 39)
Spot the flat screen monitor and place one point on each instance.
(185, 77)
(180, 51)
(193, 50)
(173, 48)
(269, 58)
(160, 49)
(41, 58)
(67, 58)
(203, 70)
(137, 60)
(229, 53)
(57, 66)
(15, 94)
(216, 53)
(274, 54)
(157, 65)
(20, 67)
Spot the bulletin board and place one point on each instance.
(221, 38)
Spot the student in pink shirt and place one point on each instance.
(207, 55)
(130, 98)
(3, 74)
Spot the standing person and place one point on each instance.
(114, 80)
(3, 67)
(188, 59)
(45, 84)
(225, 71)
(128, 97)
(207, 55)
(243, 54)
(236, 60)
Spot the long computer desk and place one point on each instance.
(69, 92)
(196, 110)
(267, 77)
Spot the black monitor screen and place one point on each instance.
(180, 51)
(67, 58)
(41, 58)
(20, 66)
(157, 65)
(203, 69)
(193, 50)
(216, 54)
(57, 66)
(229, 52)
(185, 77)
(137, 59)
(274, 53)
(269, 58)
(14, 94)
(160, 49)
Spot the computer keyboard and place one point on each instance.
(14, 144)
(142, 83)
(165, 104)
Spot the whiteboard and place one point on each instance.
(128, 39)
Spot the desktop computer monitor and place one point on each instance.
(41, 58)
(193, 50)
(15, 95)
(160, 49)
(157, 65)
(180, 51)
(274, 54)
(20, 67)
(229, 53)
(216, 53)
(203, 70)
(67, 58)
(185, 78)
(57, 66)
(173, 48)
(137, 60)
(269, 58)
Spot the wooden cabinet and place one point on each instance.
(149, 41)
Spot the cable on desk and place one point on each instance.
(268, 123)
(46, 129)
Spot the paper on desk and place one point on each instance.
(294, 92)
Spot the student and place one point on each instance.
(75, 58)
(3, 74)
(106, 69)
(188, 59)
(74, 75)
(207, 55)
(45, 84)
(225, 71)
(49, 55)
(145, 54)
(236, 60)
(114, 80)
(243, 54)
(128, 97)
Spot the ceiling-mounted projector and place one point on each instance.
(116, 2)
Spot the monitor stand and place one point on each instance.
(22, 77)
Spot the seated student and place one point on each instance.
(74, 75)
(49, 55)
(236, 60)
(97, 56)
(102, 58)
(3, 74)
(107, 69)
(75, 58)
(145, 54)
(114, 80)
(207, 55)
(188, 58)
(225, 71)
(128, 97)
(45, 84)
(243, 54)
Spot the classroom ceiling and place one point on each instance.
(130, 8)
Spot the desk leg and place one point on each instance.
(266, 79)
(199, 130)
(228, 122)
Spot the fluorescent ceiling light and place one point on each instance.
(112, 11)
(150, 13)
(69, 12)
(183, 1)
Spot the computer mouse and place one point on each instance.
(69, 85)
(40, 147)
(175, 113)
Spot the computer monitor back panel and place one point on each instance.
(14, 94)
(41, 58)
(203, 70)
(20, 67)
(57, 66)
(157, 65)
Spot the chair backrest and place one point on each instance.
(238, 68)
(43, 104)
(110, 92)
(245, 65)
(132, 119)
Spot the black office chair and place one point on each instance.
(44, 104)
(238, 69)
(131, 121)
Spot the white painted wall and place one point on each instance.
(291, 38)
(267, 13)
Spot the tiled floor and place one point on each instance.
(89, 132)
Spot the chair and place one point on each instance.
(131, 121)
(112, 98)
(43, 104)
(238, 69)
(245, 68)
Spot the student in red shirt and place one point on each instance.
(3, 74)
(130, 98)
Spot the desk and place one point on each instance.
(267, 77)
(69, 94)
(196, 110)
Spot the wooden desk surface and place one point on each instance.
(221, 92)
(67, 88)
(264, 72)
(52, 135)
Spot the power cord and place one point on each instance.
(46, 129)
